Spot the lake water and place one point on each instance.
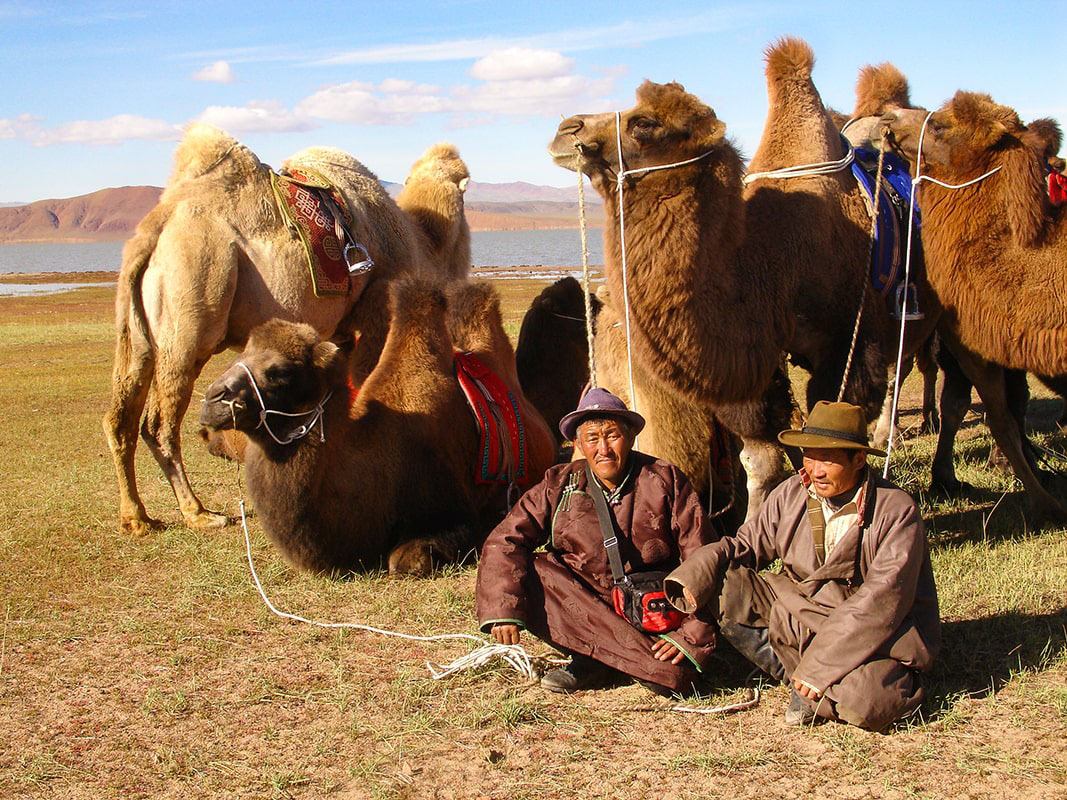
(488, 249)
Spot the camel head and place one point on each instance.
(963, 138)
(666, 126)
(1047, 136)
(293, 371)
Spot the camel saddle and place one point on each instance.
(504, 456)
(317, 212)
(890, 237)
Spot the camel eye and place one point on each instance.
(643, 126)
(276, 374)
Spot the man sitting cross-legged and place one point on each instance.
(851, 619)
(564, 594)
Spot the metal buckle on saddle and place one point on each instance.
(907, 302)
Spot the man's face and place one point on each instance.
(833, 471)
(606, 445)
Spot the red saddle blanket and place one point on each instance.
(301, 199)
(503, 453)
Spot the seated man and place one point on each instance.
(564, 595)
(851, 618)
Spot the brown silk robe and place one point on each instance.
(563, 595)
(855, 628)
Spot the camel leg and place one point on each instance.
(880, 438)
(161, 431)
(989, 380)
(955, 402)
(1017, 393)
(131, 380)
(1058, 384)
(927, 364)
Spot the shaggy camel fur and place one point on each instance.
(552, 354)
(393, 481)
(433, 197)
(723, 279)
(994, 253)
(210, 262)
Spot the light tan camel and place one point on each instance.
(211, 261)
(995, 251)
(393, 480)
(723, 279)
(433, 197)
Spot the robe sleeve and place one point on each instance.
(857, 628)
(500, 593)
(696, 636)
(702, 573)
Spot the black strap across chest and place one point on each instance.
(607, 527)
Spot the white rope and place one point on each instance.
(907, 278)
(805, 170)
(300, 431)
(513, 654)
(730, 708)
(622, 245)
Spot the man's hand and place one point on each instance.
(505, 632)
(806, 691)
(664, 650)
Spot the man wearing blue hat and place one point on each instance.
(611, 524)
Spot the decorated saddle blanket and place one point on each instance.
(891, 232)
(317, 211)
(503, 456)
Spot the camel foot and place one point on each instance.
(930, 426)
(206, 520)
(949, 488)
(139, 526)
(420, 557)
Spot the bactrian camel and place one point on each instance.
(387, 477)
(722, 278)
(214, 259)
(995, 251)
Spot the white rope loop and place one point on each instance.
(301, 430)
(919, 177)
(805, 170)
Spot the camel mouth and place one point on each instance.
(565, 153)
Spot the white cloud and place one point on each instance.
(219, 72)
(546, 97)
(257, 116)
(115, 130)
(521, 63)
(393, 102)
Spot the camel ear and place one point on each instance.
(322, 354)
(463, 184)
(714, 132)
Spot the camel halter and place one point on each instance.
(301, 430)
(907, 274)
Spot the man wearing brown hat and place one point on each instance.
(607, 522)
(851, 618)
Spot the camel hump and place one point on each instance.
(475, 304)
(204, 147)
(440, 162)
(790, 58)
(879, 88)
(328, 160)
(414, 301)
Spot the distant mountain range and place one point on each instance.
(112, 214)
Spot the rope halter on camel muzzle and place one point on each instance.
(298, 432)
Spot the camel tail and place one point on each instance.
(789, 58)
(129, 302)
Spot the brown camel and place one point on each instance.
(393, 479)
(210, 262)
(723, 279)
(552, 353)
(994, 252)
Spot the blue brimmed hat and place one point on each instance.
(599, 403)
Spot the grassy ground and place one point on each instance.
(150, 667)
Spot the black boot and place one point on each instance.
(582, 673)
(754, 644)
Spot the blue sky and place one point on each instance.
(95, 93)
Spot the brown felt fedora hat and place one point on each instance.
(832, 425)
(599, 403)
